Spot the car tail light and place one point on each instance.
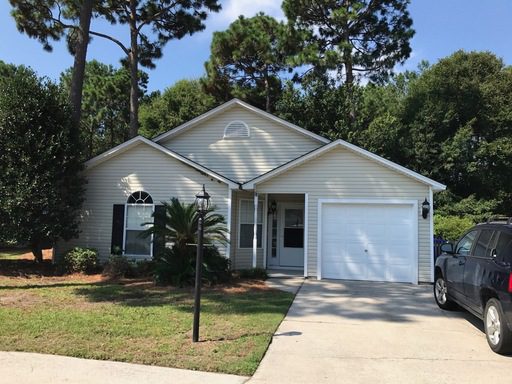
(510, 282)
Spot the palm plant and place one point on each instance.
(179, 225)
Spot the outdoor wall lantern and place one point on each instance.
(202, 203)
(425, 208)
(272, 208)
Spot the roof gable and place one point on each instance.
(223, 107)
(139, 140)
(353, 148)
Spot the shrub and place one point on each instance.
(253, 273)
(177, 266)
(119, 266)
(116, 266)
(451, 227)
(84, 260)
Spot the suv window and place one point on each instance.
(482, 243)
(504, 247)
(465, 244)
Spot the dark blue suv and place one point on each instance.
(476, 273)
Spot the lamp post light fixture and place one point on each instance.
(425, 208)
(202, 204)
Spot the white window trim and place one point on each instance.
(260, 202)
(125, 229)
(237, 137)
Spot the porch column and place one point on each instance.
(230, 202)
(255, 231)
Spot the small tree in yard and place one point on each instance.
(40, 166)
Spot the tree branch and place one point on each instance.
(121, 45)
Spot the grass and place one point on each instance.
(140, 323)
(12, 253)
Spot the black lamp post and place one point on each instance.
(202, 204)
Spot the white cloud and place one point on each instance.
(231, 9)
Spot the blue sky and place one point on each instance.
(442, 27)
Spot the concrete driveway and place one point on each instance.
(362, 332)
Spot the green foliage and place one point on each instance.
(350, 36)
(83, 260)
(178, 104)
(119, 266)
(451, 228)
(180, 225)
(253, 273)
(177, 266)
(248, 59)
(40, 181)
(105, 105)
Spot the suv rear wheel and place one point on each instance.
(441, 294)
(499, 336)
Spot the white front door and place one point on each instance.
(291, 235)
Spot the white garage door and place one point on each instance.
(368, 242)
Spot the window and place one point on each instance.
(482, 243)
(247, 223)
(138, 217)
(465, 244)
(504, 247)
(236, 130)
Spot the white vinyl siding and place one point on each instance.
(270, 144)
(340, 173)
(139, 168)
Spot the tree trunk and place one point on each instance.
(349, 70)
(134, 71)
(77, 79)
(37, 251)
(267, 92)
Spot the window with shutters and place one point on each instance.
(139, 210)
(236, 130)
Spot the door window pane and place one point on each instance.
(482, 243)
(465, 244)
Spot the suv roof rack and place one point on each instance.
(498, 219)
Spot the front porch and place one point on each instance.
(268, 231)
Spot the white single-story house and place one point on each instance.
(292, 199)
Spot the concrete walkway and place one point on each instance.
(33, 368)
(359, 332)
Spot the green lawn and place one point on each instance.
(140, 323)
(12, 254)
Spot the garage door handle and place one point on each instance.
(462, 262)
(366, 250)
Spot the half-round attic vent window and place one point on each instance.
(236, 130)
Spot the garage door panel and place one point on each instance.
(368, 242)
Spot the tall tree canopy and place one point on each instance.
(152, 23)
(248, 59)
(105, 106)
(459, 122)
(178, 104)
(353, 36)
(50, 20)
(40, 165)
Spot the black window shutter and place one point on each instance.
(159, 222)
(117, 229)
